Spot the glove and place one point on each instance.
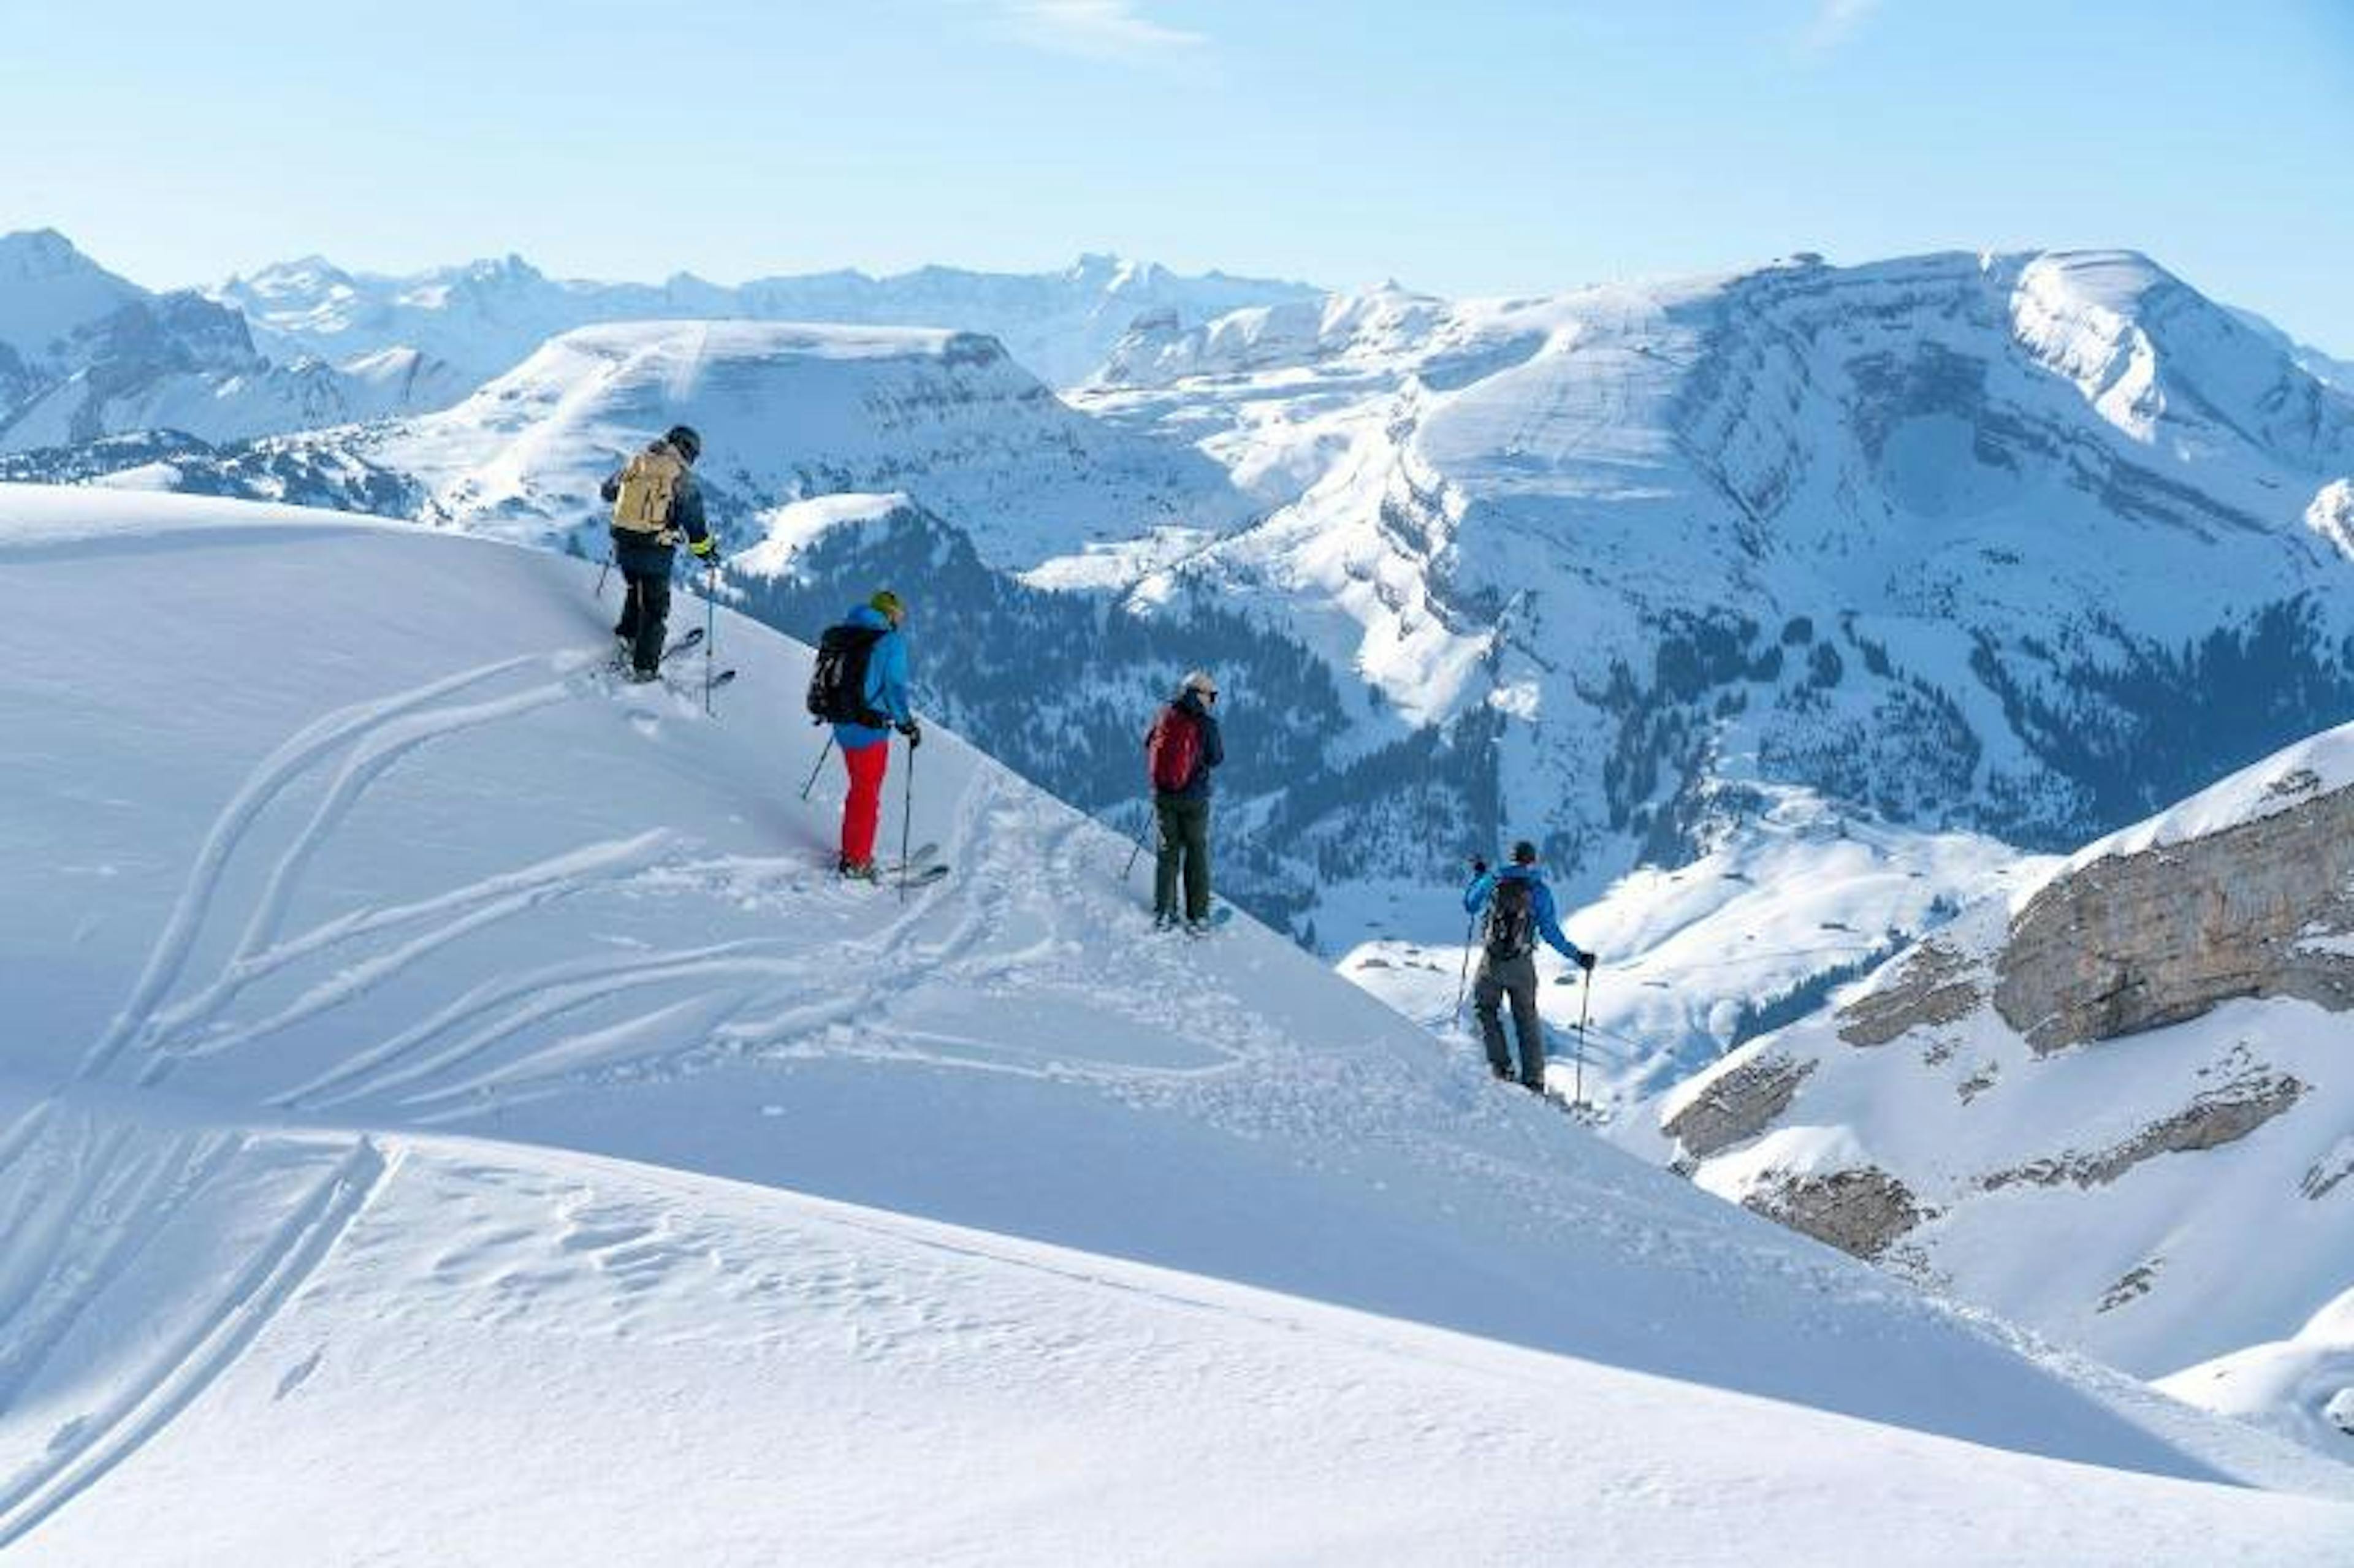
(1478, 866)
(1585, 962)
(912, 730)
(703, 548)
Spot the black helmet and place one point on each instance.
(1525, 853)
(685, 441)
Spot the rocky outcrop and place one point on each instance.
(2211, 1120)
(1738, 1106)
(2328, 1172)
(2137, 941)
(1859, 1212)
(1936, 986)
(2135, 1284)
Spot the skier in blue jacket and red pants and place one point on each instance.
(1519, 909)
(865, 748)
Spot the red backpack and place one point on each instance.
(1173, 750)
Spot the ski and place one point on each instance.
(918, 876)
(690, 687)
(691, 637)
(922, 867)
(1219, 915)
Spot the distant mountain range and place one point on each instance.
(85, 355)
(303, 344)
(2024, 545)
(484, 317)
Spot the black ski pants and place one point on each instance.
(1515, 978)
(645, 599)
(1184, 852)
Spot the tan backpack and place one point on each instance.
(649, 484)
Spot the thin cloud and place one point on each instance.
(1101, 29)
(1836, 21)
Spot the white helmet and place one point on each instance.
(1198, 681)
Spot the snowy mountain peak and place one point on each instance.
(32, 255)
(47, 290)
(2159, 360)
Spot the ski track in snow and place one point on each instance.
(1008, 926)
(290, 761)
(549, 1030)
(70, 1243)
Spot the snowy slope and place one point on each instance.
(486, 316)
(787, 411)
(448, 1098)
(2302, 1385)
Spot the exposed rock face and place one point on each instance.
(2330, 1170)
(1738, 1106)
(2216, 1118)
(1936, 986)
(2137, 941)
(2136, 1284)
(1859, 1212)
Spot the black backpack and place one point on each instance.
(837, 688)
(1510, 930)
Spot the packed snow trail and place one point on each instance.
(426, 889)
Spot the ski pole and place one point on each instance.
(601, 573)
(1578, 1096)
(907, 821)
(710, 632)
(1463, 980)
(823, 752)
(1139, 849)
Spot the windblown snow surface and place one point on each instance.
(451, 1115)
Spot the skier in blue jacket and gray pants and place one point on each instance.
(1519, 909)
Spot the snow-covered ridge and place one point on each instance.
(788, 411)
(402, 1008)
(2286, 779)
(485, 316)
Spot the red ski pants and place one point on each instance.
(863, 807)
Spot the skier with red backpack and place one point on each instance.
(1518, 909)
(860, 684)
(1180, 750)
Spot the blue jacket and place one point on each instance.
(886, 681)
(1475, 899)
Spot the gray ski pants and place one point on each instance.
(1516, 979)
(1185, 853)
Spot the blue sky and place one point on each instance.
(1466, 147)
